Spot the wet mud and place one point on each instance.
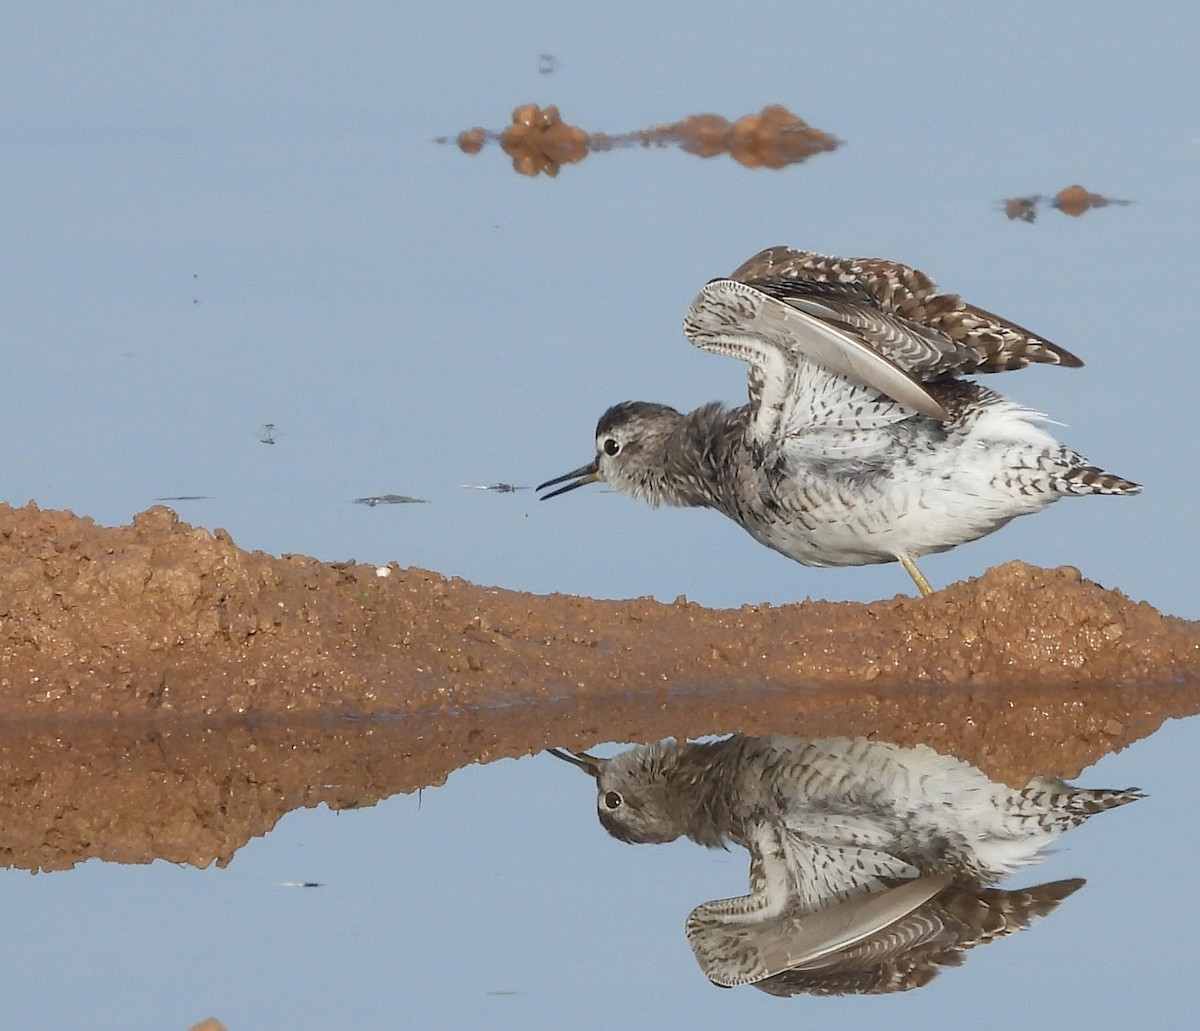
(540, 142)
(167, 694)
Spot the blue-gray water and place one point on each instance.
(224, 216)
(432, 910)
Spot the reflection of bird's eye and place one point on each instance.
(612, 799)
(611, 447)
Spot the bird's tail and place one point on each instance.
(1089, 479)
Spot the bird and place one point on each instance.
(862, 442)
(870, 863)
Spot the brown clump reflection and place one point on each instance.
(470, 141)
(1072, 200)
(540, 142)
(1075, 200)
(1024, 208)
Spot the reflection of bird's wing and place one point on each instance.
(806, 901)
(816, 358)
(739, 953)
(911, 952)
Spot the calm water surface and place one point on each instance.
(497, 900)
(224, 219)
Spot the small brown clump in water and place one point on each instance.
(704, 135)
(470, 141)
(1075, 200)
(775, 137)
(1024, 208)
(1072, 200)
(538, 140)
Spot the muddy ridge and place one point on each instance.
(158, 672)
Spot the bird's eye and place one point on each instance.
(612, 799)
(611, 447)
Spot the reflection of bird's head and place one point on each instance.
(632, 792)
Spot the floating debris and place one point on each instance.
(267, 433)
(390, 499)
(185, 497)
(547, 64)
(498, 488)
(539, 141)
(1072, 200)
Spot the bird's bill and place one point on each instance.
(582, 476)
(588, 763)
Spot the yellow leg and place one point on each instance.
(910, 567)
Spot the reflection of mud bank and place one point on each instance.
(196, 791)
(539, 141)
(1072, 200)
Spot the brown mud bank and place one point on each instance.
(165, 693)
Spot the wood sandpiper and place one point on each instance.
(861, 443)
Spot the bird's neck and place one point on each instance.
(690, 464)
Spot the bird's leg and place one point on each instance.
(910, 567)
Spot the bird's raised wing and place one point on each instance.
(810, 366)
(850, 307)
(998, 344)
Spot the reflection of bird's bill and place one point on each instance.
(582, 476)
(588, 763)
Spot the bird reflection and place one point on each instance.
(871, 865)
